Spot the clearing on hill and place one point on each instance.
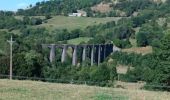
(102, 7)
(70, 23)
(139, 50)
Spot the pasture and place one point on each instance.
(34, 90)
(70, 23)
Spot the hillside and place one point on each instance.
(58, 7)
(140, 28)
(24, 90)
(71, 23)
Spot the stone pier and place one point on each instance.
(52, 52)
(74, 58)
(64, 53)
(95, 52)
(99, 54)
(84, 53)
(92, 55)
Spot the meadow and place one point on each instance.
(36, 90)
(70, 23)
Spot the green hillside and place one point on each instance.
(70, 23)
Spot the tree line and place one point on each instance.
(152, 68)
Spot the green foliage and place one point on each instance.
(35, 21)
(31, 60)
(144, 17)
(123, 32)
(58, 7)
(163, 56)
(152, 68)
(64, 7)
(26, 20)
(149, 33)
(4, 63)
(64, 34)
(99, 39)
(95, 75)
(6, 13)
(142, 39)
(7, 22)
(99, 29)
(100, 74)
(124, 58)
(28, 64)
(122, 43)
(31, 21)
(143, 66)
(130, 6)
(48, 16)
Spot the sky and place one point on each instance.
(13, 5)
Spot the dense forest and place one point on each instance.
(31, 60)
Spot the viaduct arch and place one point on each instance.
(98, 52)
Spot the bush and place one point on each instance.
(103, 75)
(48, 16)
(122, 43)
(36, 21)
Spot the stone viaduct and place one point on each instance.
(96, 52)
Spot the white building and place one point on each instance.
(74, 14)
(79, 13)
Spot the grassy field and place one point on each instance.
(32, 90)
(79, 40)
(70, 23)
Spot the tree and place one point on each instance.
(163, 56)
(26, 20)
(48, 16)
(142, 39)
(36, 21)
(123, 31)
(148, 33)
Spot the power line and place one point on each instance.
(11, 43)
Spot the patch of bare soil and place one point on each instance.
(102, 7)
(139, 50)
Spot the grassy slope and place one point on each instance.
(61, 22)
(79, 40)
(30, 90)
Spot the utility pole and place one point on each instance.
(11, 43)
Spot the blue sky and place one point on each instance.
(13, 5)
